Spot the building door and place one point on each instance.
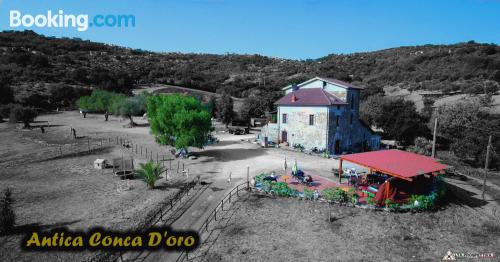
(284, 136)
(337, 147)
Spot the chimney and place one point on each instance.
(294, 98)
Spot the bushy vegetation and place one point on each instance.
(422, 146)
(29, 57)
(465, 126)
(334, 194)
(398, 118)
(130, 106)
(298, 147)
(101, 101)
(7, 215)
(278, 188)
(18, 113)
(308, 194)
(150, 172)
(225, 109)
(179, 121)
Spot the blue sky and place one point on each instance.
(296, 29)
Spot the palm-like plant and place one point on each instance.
(149, 173)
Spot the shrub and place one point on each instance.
(260, 178)
(422, 146)
(308, 194)
(149, 173)
(369, 200)
(335, 194)
(422, 202)
(267, 185)
(7, 216)
(298, 147)
(391, 204)
(282, 189)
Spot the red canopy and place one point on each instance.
(396, 163)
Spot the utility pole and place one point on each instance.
(486, 164)
(434, 138)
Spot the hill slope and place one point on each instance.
(28, 58)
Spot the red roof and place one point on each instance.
(310, 97)
(395, 162)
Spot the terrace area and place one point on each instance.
(376, 177)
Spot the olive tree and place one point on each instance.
(129, 106)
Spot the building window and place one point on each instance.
(337, 121)
(311, 120)
(284, 119)
(324, 84)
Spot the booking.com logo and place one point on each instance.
(61, 20)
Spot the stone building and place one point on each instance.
(321, 113)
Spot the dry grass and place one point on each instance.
(283, 229)
(65, 192)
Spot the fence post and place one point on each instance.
(237, 191)
(215, 214)
(222, 204)
(88, 143)
(141, 151)
(248, 178)
(178, 164)
(157, 157)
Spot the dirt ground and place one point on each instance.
(267, 228)
(51, 191)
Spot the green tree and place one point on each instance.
(453, 118)
(179, 121)
(371, 109)
(225, 109)
(150, 173)
(85, 105)
(129, 106)
(467, 129)
(100, 101)
(397, 118)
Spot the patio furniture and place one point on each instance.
(302, 178)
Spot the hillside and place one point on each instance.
(30, 60)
